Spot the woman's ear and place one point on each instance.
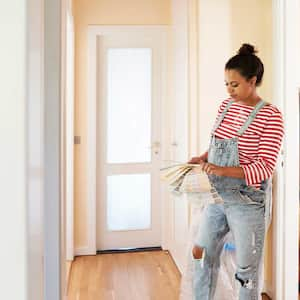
(252, 80)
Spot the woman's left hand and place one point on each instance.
(210, 169)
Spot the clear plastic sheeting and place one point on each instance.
(227, 286)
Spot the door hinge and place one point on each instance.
(77, 140)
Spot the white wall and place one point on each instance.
(214, 50)
(12, 158)
(223, 27)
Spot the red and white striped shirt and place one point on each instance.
(260, 144)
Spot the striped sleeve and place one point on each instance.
(262, 167)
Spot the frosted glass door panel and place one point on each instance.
(129, 202)
(129, 105)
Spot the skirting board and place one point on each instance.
(84, 251)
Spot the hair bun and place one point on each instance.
(247, 49)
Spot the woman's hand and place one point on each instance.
(199, 159)
(205, 166)
(209, 168)
(212, 169)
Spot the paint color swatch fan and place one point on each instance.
(182, 179)
(174, 175)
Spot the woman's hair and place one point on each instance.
(247, 63)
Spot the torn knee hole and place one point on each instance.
(198, 252)
(246, 283)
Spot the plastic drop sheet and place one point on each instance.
(227, 286)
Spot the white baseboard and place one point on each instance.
(84, 251)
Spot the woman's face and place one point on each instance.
(238, 87)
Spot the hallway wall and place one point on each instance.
(100, 12)
(13, 160)
(223, 27)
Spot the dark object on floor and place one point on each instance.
(265, 297)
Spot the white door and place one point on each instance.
(128, 142)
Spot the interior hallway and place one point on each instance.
(125, 276)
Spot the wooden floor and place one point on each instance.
(127, 276)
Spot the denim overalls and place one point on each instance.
(243, 212)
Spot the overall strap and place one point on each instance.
(222, 116)
(251, 117)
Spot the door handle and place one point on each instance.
(155, 145)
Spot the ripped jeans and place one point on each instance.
(243, 213)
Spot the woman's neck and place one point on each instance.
(250, 101)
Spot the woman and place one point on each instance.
(241, 158)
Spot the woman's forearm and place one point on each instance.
(236, 172)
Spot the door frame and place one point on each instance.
(94, 31)
(44, 226)
(67, 115)
(286, 26)
(35, 140)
